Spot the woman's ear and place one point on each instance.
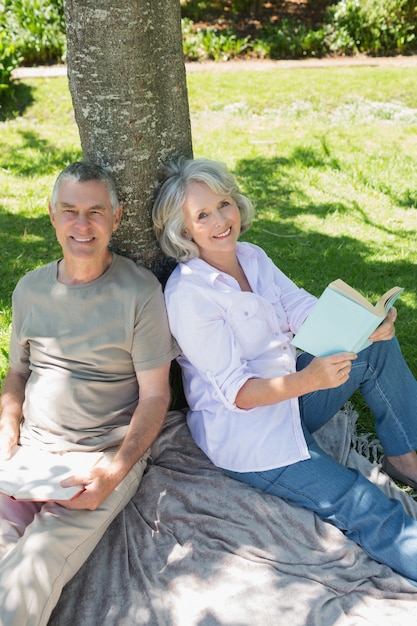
(186, 234)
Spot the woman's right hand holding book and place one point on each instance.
(328, 372)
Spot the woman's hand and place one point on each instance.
(386, 330)
(328, 372)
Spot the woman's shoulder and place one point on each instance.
(188, 279)
(251, 249)
(187, 272)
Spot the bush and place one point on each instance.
(38, 29)
(31, 32)
(202, 44)
(10, 58)
(376, 27)
(291, 39)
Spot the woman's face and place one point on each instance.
(212, 221)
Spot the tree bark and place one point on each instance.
(128, 85)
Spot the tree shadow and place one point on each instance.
(15, 103)
(26, 242)
(313, 259)
(36, 156)
(269, 183)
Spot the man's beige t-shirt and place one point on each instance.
(82, 345)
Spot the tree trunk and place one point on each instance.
(128, 86)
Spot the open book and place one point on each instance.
(342, 320)
(33, 474)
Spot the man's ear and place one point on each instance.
(117, 217)
(51, 214)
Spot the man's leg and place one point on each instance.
(55, 545)
(15, 516)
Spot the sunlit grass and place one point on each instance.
(328, 156)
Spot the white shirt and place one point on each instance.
(228, 336)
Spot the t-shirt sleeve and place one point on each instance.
(153, 344)
(18, 352)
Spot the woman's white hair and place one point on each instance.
(168, 214)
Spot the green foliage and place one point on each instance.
(197, 10)
(31, 32)
(290, 39)
(378, 27)
(10, 58)
(38, 29)
(202, 44)
(374, 27)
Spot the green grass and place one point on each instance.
(328, 155)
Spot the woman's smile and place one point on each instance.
(226, 233)
(212, 221)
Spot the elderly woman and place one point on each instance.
(253, 404)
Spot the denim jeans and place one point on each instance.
(342, 496)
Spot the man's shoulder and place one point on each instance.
(134, 271)
(34, 277)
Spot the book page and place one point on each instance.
(33, 474)
(380, 308)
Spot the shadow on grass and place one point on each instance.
(36, 156)
(268, 182)
(408, 200)
(313, 259)
(25, 243)
(18, 99)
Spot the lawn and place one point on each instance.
(328, 156)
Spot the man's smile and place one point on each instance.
(82, 240)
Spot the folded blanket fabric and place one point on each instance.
(196, 548)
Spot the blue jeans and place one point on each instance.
(342, 496)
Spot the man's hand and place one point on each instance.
(386, 330)
(98, 484)
(144, 426)
(11, 403)
(9, 438)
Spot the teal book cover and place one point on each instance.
(342, 320)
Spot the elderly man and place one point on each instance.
(90, 353)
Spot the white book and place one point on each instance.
(32, 474)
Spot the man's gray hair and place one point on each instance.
(83, 172)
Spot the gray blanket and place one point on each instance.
(196, 548)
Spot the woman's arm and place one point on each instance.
(322, 373)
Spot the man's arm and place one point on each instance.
(146, 422)
(11, 403)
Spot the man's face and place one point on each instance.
(84, 220)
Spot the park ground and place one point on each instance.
(346, 61)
